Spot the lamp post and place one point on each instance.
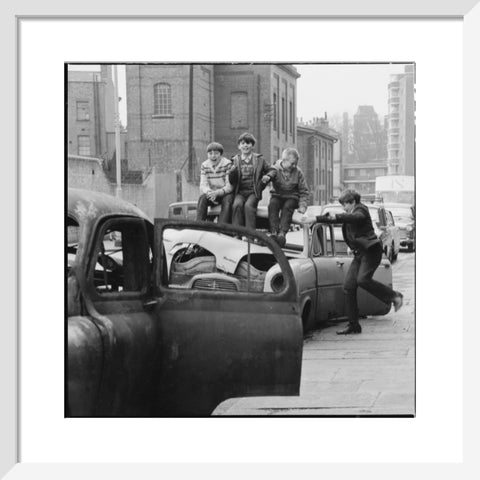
(118, 153)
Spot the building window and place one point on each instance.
(362, 172)
(162, 98)
(290, 118)
(323, 150)
(84, 145)
(276, 154)
(275, 109)
(379, 171)
(284, 115)
(83, 111)
(239, 110)
(316, 176)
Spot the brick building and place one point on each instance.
(90, 115)
(174, 111)
(170, 112)
(316, 161)
(260, 99)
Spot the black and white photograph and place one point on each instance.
(240, 239)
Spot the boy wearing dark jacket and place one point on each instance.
(360, 236)
(249, 175)
(289, 192)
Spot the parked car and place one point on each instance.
(215, 259)
(144, 342)
(186, 209)
(404, 215)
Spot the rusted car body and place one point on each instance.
(142, 342)
(316, 257)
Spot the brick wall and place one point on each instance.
(163, 141)
(153, 196)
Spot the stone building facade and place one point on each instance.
(316, 150)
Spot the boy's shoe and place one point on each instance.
(351, 328)
(280, 239)
(398, 301)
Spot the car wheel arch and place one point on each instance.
(306, 313)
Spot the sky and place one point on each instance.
(333, 88)
(342, 88)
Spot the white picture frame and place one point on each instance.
(11, 33)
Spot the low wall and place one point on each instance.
(153, 196)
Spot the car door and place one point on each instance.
(340, 263)
(330, 270)
(221, 335)
(116, 288)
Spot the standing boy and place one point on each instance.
(214, 185)
(249, 175)
(289, 191)
(360, 236)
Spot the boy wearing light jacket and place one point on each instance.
(289, 192)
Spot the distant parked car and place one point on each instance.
(186, 210)
(385, 228)
(404, 215)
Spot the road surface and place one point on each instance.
(361, 375)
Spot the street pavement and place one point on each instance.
(356, 375)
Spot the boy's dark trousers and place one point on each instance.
(225, 213)
(287, 206)
(245, 210)
(360, 274)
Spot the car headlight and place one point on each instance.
(409, 228)
(277, 282)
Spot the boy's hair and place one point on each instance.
(349, 196)
(215, 147)
(293, 152)
(247, 138)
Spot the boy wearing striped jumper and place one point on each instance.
(214, 185)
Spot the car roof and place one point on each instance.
(93, 205)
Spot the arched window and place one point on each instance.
(162, 97)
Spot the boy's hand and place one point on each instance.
(266, 179)
(211, 195)
(308, 220)
(302, 209)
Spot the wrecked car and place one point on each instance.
(156, 327)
